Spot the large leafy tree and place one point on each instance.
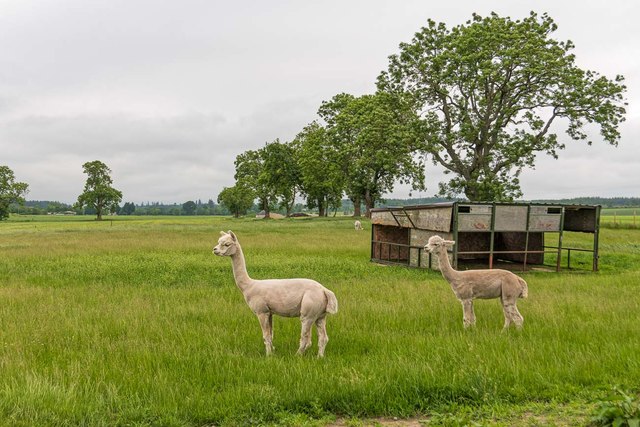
(491, 94)
(321, 179)
(339, 137)
(98, 192)
(236, 199)
(251, 173)
(281, 172)
(272, 173)
(377, 137)
(10, 191)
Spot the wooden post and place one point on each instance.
(560, 240)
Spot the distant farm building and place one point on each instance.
(518, 236)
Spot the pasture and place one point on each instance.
(135, 322)
(620, 217)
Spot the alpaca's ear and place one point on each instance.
(449, 242)
(222, 233)
(233, 236)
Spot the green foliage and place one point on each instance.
(252, 174)
(282, 172)
(39, 207)
(173, 209)
(272, 173)
(128, 209)
(378, 142)
(618, 410)
(98, 192)
(321, 178)
(236, 199)
(189, 208)
(489, 92)
(10, 191)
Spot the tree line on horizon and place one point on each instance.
(481, 100)
(44, 207)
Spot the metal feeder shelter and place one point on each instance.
(511, 235)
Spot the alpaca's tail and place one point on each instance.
(332, 302)
(525, 289)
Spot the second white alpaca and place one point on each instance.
(484, 284)
(358, 225)
(304, 298)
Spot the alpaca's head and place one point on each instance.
(227, 244)
(436, 242)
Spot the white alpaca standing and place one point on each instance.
(484, 284)
(358, 225)
(302, 298)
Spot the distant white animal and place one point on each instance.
(358, 225)
(484, 284)
(302, 298)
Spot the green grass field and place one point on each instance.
(135, 322)
(620, 218)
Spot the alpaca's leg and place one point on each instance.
(271, 330)
(512, 315)
(267, 332)
(516, 317)
(507, 316)
(468, 316)
(305, 335)
(323, 338)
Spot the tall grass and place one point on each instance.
(135, 322)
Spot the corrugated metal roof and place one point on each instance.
(448, 204)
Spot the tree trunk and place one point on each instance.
(368, 203)
(289, 206)
(471, 193)
(265, 207)
(321, 212)
(356, 207)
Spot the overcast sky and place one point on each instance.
(167, 93)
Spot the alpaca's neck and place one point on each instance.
(445, 267)
(240, 269)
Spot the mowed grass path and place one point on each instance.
(135, 322)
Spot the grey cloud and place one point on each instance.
(168, 93)
(165, 159)
(108, 135)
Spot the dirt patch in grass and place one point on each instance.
(560, 415)
(381, 422)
